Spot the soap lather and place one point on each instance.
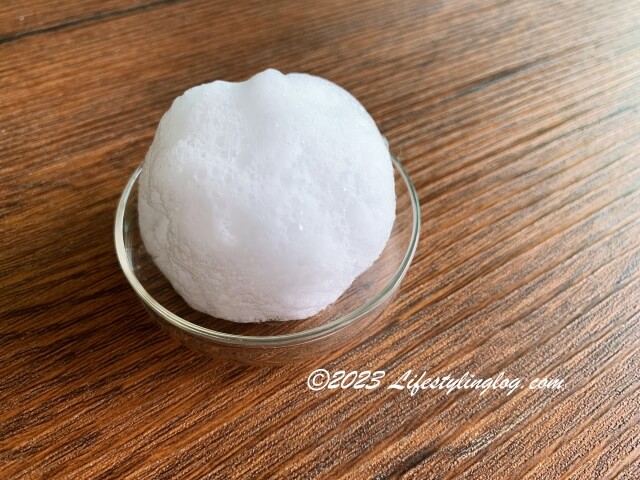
(265, 199)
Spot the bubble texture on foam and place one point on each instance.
(265, 199)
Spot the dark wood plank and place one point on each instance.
(520, 126)
(20, 19)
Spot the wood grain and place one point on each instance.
(519, 123)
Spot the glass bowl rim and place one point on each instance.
(268, 340)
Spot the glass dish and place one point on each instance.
(342, 325)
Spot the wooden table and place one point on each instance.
(520, 126)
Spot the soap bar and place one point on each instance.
(265, 199)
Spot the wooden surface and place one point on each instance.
(520, 126)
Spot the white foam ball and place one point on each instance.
(265, 199)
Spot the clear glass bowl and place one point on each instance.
(341, 325)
